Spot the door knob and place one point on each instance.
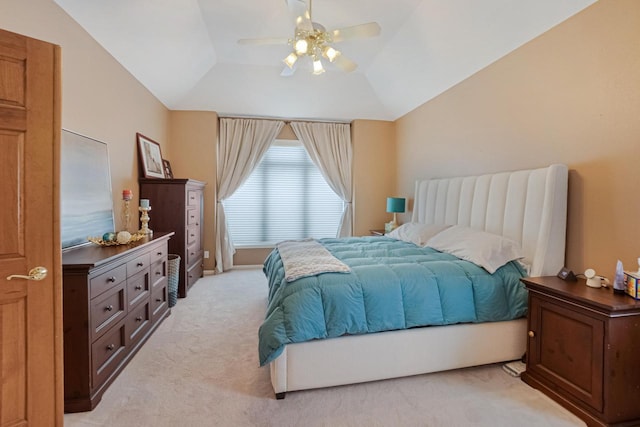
(36, 273)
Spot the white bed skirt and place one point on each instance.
(371, 357)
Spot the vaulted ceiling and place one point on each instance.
(186, 52)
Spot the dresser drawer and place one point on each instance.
(137, 323)
(106, 354)
(108, 309)
(107, 280)
(138, 264)
(159, 303)
(158, 273)
(157, 253)
(193, 235)
(193, 216)
(193, 274)
(193, 197)
(138, 288)
(194, 254)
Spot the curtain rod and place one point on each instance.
(287, 121)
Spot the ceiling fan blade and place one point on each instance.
(345, 64)
(288, 72)
(300, 13)
(264, 41)
(370, 29)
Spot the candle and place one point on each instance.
(144, 203)
(127, 194)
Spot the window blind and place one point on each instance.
(285, 198)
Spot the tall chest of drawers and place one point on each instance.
(113, 299)
(177, 205)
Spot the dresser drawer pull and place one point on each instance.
(138, 287)
(532, 334)
(109, 307)
(159, 253)
(158, 299)
(110, 347)
(140, 264)
(111, 279)
(158, 273)
(190, 275)
(139, 319)
(197, 223)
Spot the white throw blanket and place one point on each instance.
(303, 258)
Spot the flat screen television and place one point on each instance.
(85, 189)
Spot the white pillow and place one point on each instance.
(487, 250)
(417, 233)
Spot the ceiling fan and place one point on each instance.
(314, 41)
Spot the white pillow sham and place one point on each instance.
(484, 249)
(416, 233)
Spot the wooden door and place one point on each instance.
(30, 310)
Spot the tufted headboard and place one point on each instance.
(527, 206)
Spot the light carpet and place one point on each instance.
(200, 368)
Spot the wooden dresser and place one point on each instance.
(113, 299)
(584, 350)
(177, 205)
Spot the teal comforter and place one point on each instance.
(392, 285)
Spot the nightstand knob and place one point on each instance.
(532, 334)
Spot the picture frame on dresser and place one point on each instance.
(150, 156)
(168, 173)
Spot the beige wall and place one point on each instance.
(192, 154)
(374, 173)
(100, 99)
(570, 96)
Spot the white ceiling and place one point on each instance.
(186, 53)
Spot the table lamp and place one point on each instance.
(394, 205)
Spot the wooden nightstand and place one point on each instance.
(584, 350)
(377, 232)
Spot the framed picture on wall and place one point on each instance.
(167, 169)
(150, 157)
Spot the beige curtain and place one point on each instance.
(329, 146)
(241, 146)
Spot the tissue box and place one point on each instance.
(632, 282)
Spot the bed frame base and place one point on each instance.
(379, 356)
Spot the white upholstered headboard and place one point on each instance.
(527, 206)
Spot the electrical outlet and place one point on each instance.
(206, 254)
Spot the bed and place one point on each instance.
(526, 206)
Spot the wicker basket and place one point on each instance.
(174, 278)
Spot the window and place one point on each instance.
(286, 197)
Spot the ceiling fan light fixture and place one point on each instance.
(290, 60)
(301, 46)
(317, 66)
(330, 53)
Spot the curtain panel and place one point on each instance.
(241, 145)
(329, 146)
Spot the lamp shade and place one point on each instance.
(395, 204)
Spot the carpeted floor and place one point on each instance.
(200, 368)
